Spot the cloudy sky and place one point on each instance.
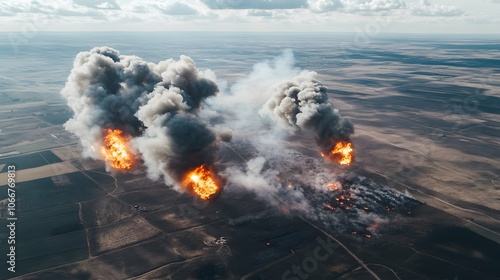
(404, 16)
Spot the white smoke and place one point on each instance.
(279, 115)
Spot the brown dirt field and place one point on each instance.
(123, 233)
(54, 169)
(105, 211)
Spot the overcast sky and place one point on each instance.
(403, 16)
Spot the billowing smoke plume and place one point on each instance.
(285, 170)
(161, 106)
(302, 103)
(155, 104)
(105, 90)
(175, 139)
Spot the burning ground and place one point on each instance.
(299, 183)
(173, 119)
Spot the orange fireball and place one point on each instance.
(343, 151)
(202, 182)
(115, 150)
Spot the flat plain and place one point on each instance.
(426, 112)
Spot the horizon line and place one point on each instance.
(249, 32)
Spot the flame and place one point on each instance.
(202, 182)
(333, 186)
(329, 206)
(116, 151)
(343, 151)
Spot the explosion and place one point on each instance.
(202, 182)
(116, 151)
(343, 152)
(158, 107)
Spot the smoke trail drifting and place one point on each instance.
(291, 103)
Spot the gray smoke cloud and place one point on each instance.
(263, 122)
(156, 104)
(303, 103)
(105, 90)
(272, 112)
(300, 184)
(176, 140)
(286, 95)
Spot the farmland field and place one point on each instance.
(104, 211)
(56, 118)
(49, 228)
(31, 160)
(78, 219)
(48, 237)
(129, 231)
(43, 193)
(54, 170)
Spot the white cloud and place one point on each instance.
(257, 15)
(98, 4)
(429, 10)
(260, 13)
(372, 5)
(24, 7)
(256, 4)
(28, 9)
(180, 9)
(322, 6)
(354, 6)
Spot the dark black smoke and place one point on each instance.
(193, 144)
(160, 107)
(303, 103)
(104, 90)
(156, 104)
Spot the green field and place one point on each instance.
(48, 230)
(42, 193)
(56, 118)
(30, 160)
(49, 222)
(36, 254)
(47, 238)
